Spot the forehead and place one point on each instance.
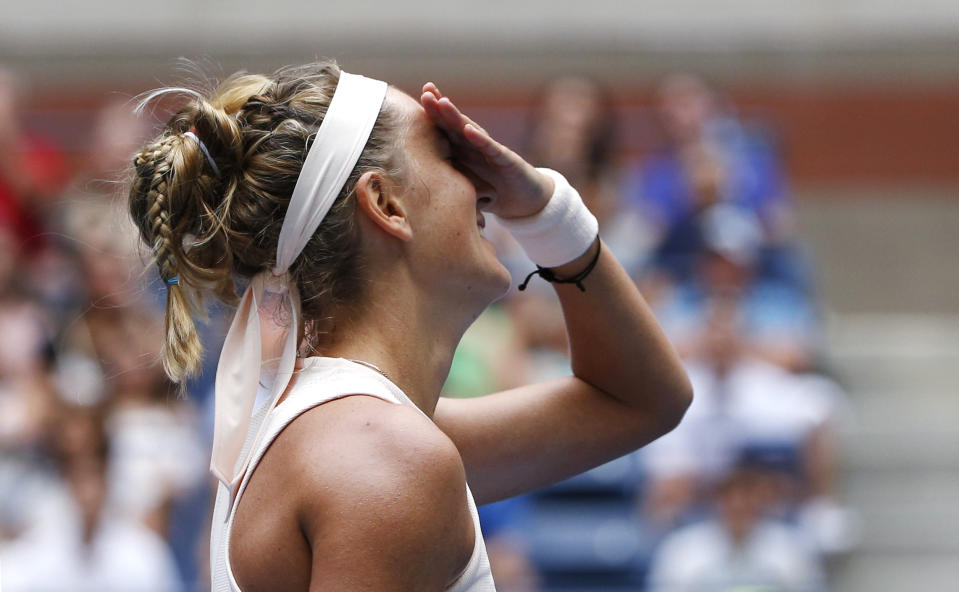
(417, 126)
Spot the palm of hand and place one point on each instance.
(519, 189)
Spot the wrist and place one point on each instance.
(547, 187)
(577, 265)
(562, 231)
(573, 272)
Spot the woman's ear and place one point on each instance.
(382, 205)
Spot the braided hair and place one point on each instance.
(208, 225)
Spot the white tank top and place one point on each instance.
(319, 381)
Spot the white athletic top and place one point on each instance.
(319, 381)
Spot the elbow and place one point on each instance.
(676, 401)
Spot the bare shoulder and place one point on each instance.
(380, 495)
(346, 436)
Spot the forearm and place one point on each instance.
(616, 344)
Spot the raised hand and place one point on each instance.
(520, 189)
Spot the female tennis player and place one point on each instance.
(352, 216)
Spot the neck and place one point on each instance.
(408, 334)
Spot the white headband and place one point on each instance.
(332, 157)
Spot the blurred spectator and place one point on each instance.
(739, 549)
(27, 406)
(118, 133)
(779, 322)
(707, 157)
(745, 404)
(158, 458)
(25, 387)
(108, 251)
(696, 126)
(88, 548)
(84, 329)
(157, 454)
(32, 171)
(573, 129)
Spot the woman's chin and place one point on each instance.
(503, 281)
(494, 282)
(500, 276)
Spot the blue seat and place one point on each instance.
(597, 544)
(621, 477)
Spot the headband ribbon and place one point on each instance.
(338, 144)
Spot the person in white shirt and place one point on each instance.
(738, 549)
(91, 548)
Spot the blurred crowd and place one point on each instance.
(103, 463)
(741, 495)
(103, 482)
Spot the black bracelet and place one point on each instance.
(547, 274)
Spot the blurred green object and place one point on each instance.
(477, 364)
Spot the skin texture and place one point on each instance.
(373, 493)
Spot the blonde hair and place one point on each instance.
(205, 229)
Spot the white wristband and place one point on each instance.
(562, 231)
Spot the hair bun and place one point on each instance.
(205, 229)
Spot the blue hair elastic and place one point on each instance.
(173, 281)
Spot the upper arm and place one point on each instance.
(388, 509)
(628, 388)
(529, 437)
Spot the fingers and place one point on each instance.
(490, 148)
(429, 97)
(431, 88)
(444, 114)
(459, 128)
(430, 104)
(443, 111)
(453, 116)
